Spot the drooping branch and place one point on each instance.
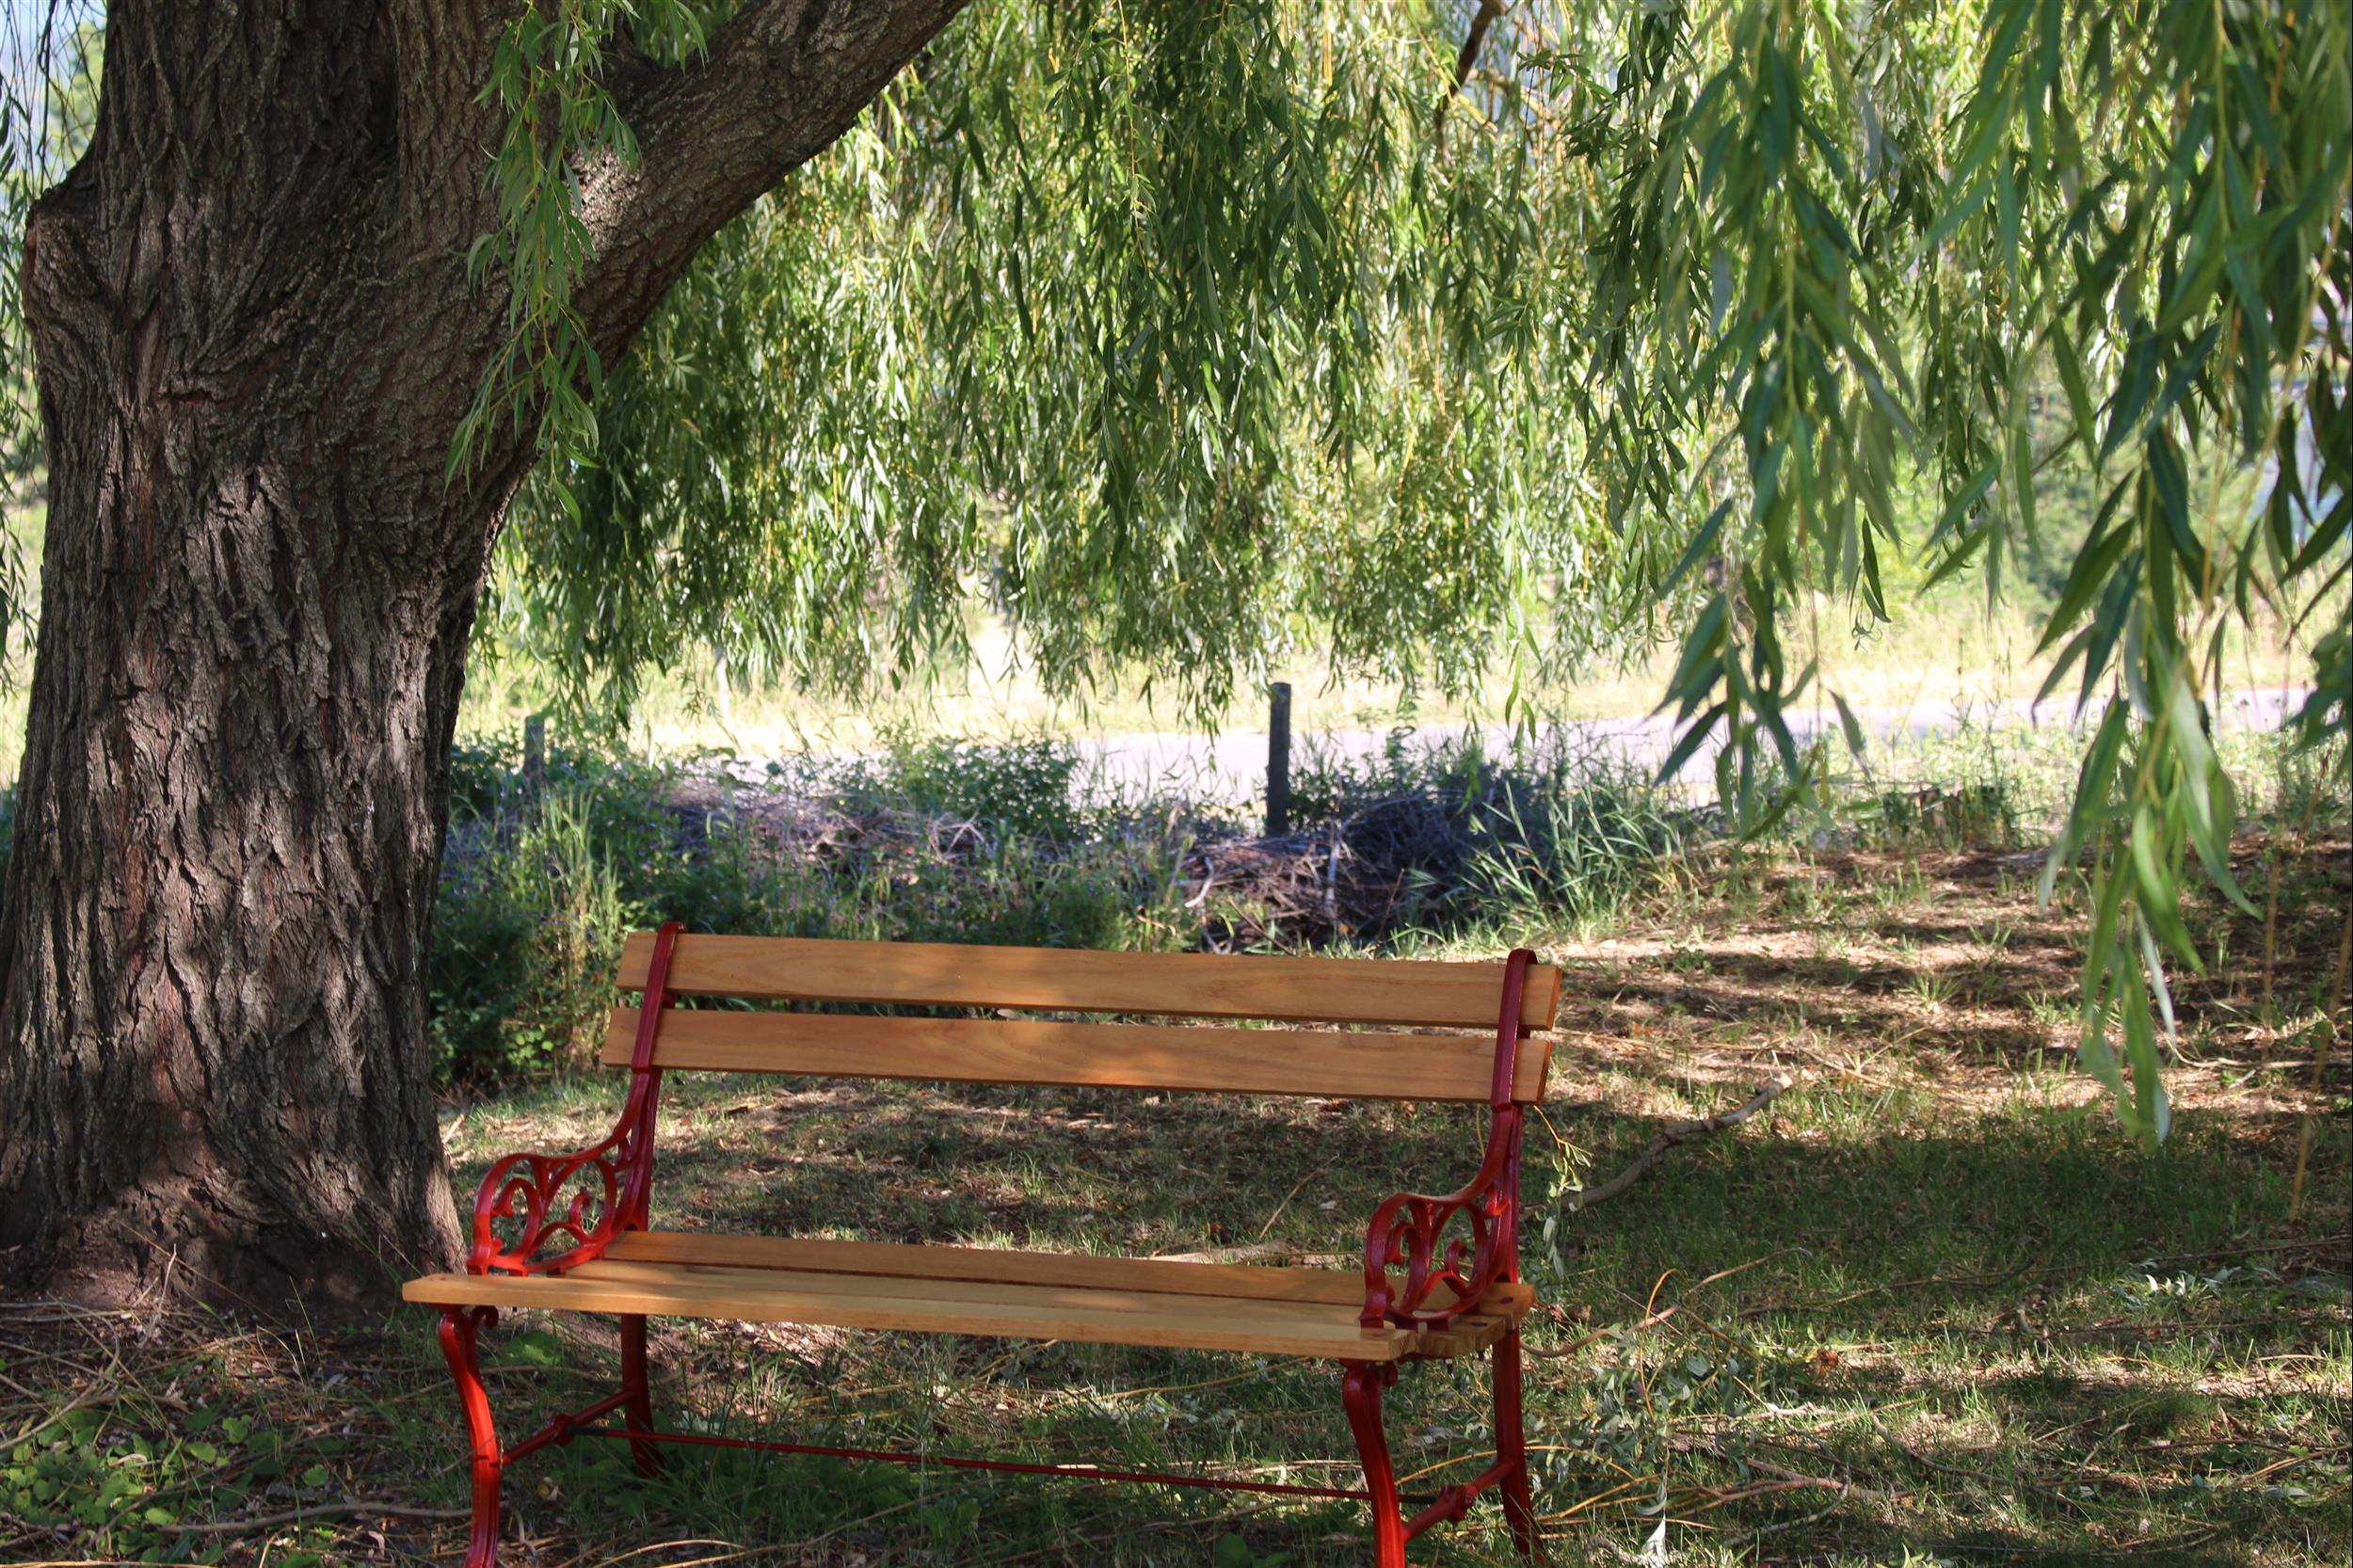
(1681, 1132)
(782, 82)
(1472, 41)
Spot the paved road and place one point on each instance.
(1230, 768)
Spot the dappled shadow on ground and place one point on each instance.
(1931, 1298)
(2067, 1335)
(1951, 963)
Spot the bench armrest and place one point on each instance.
(573, 1204)
(1448, 1267)
(1408, 1229)
(589, 1196)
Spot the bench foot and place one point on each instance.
(637, 1399)
(460, 1328)
(1519, 1506)
(1360, 1394)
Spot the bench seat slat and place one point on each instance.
(1015, 1311)
(1153, 1276)
(1454, 1067)
(998, 1264)
(1416, 994)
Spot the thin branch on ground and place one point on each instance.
(1731, 1542)
(1682, 1132)
(317, 1510)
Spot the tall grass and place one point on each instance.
(928, 842)
(530, 915)
(1542, 838)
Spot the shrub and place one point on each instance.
(1446, 840)
(527, 924)
(936, 841)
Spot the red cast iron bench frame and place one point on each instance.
(1441, 1272)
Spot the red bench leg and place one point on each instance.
(1360, 1393)
(1519, 1507)
(460, 1325)
(640, 1399)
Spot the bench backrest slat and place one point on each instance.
(1203, 986)
(1345, 1066)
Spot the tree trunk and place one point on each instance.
(256, 598)
(229, 831)
(256, 340)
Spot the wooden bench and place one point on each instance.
(574, 1232)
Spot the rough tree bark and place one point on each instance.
(256, 340)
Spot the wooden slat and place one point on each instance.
(1504, 1305)
(996, 1265)
(1184, 985)
(1017, 1311)
(1454, 1067)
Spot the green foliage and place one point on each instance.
(1653, 1385)
(93, 1472)
(527, 926)
(1180, 335)
(1715, 310)
(1029, 789)
(1233, 1551)
(949, 840)
(48, 107)
(548, 75)
(1541, 840)
(1163, 327)
(2145, 206)
(934, 841)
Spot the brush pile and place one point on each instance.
(1367, 869)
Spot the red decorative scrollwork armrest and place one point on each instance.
(1409, 1230)
(577, 1203)
(573, 1203)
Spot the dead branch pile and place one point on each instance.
(1354, 876)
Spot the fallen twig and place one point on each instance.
(1730, 1541)
(1682, 1132)
(1916, 1456)
(1254, 1252)
(1575, 1345)
(317, 1510)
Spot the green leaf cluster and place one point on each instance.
(1186, 336)
(1169, 331)
(1180, 335)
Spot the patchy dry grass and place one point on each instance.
(1929, 1307)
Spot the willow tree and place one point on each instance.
(1432, 332)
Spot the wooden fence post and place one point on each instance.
(1278, 760)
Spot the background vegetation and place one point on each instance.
(1449, 342)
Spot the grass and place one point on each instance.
(1931, 1306)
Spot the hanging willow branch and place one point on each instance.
(1169, 333)
(1480, 21)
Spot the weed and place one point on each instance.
(529, 917)
(543, 876)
